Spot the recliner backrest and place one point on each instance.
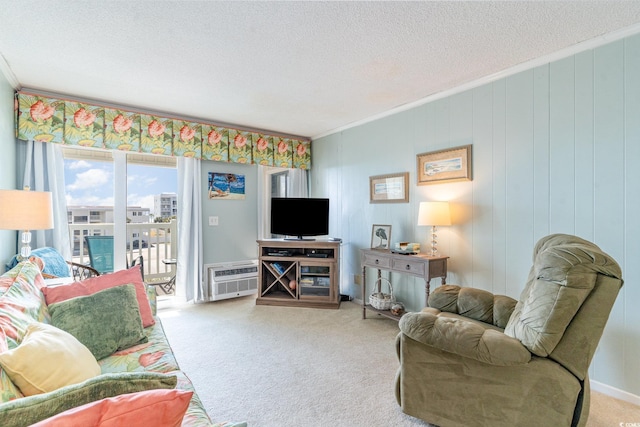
(565, 273)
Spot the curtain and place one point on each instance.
(297, 186)
(44, 171)
(264, 199)
(189, 277)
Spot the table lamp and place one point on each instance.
(25, 210)
(434, 214)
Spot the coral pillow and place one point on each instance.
(146, 408)
(92, 285)
(31, 409)
(48, 358)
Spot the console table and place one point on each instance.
(419, 265)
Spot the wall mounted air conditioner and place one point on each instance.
(232, 279)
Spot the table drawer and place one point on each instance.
(408, 266)
(373, 261)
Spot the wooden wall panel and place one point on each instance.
(481, 209)
(499, 184)
(541, 203)
(519, 179)
(584, 145)
(630, 294)
(561, 146)
(609, 187)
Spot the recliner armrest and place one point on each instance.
(475, 304)
(465, 338)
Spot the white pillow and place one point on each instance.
(48, 358)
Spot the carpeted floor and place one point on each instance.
(289, 366)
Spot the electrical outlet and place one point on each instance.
(213, 220)
(357, 279)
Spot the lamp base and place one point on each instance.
(434, 241)
(25, 250)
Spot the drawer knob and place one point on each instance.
(408, 267)
(377, 261)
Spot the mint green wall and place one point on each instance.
(555, 149)
(234, 239)
(7, 164)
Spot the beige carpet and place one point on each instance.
(284, 366)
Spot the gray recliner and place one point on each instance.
(472, 358)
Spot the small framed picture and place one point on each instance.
(450, 165)
(392, 188)
(380, 237)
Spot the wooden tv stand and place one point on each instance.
(299, 273)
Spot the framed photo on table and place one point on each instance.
(380, 237)
(391, 188)
(450, 165)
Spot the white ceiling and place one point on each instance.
(301, 68)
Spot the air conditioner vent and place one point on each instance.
(232, 279)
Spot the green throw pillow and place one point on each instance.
(29, 410)
(104, 322)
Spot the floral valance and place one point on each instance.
(62, 121)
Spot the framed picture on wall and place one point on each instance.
(226, 186)
(450, 165)
(380, 237)
(391, 188)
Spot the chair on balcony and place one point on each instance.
(80, 271)
(56, 266)
(100, 250)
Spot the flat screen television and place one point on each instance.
(299, 217)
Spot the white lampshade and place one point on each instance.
(25, 210)
(434, 213)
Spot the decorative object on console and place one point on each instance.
(25, 210)
(380, 237)
(397, 309)
(450, 165)
(380, 300)
(406, 248)
(392, 188)
(434, 214)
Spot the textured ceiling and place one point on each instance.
(301, 68)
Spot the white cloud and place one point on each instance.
(91, 179)
(142, 180)
(90, 200)
(142, 201)
(80, 164)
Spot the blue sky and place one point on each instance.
(89, 183)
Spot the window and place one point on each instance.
(94, 190)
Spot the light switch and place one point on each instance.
(213, 220)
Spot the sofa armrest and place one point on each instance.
(464, 337)
(473, 303)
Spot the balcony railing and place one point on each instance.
(154, 241)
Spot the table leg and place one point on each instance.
(427, 287)
(364, 285)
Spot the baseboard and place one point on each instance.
(614, 392)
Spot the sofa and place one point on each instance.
(89, 353)
(475, 358)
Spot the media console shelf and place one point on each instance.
(299, 273)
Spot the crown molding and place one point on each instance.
(6, 71)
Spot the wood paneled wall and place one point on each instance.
(556, 149)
